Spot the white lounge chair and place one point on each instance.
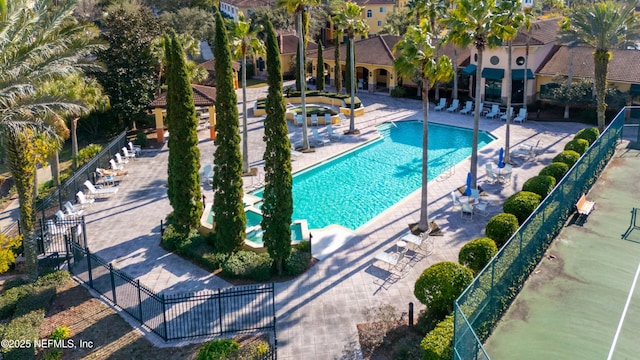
(495, 111)
(392, 259)
(294, 152)
(522, 116)
(441, 105)
(454, 106)
(102, 191)
(127, 154)
(314, 119)
(72, 211)
(333, 135)
(327, 119)
(120, 161)
(468, 106)
(115, 166)
(418, 240)
(83, 200)
(61, 218)
(342, 118)
(528, 151)
(207, 174)
(318, 139)
(504, 116)
(135, 149)
(55, 229)
(298, 120)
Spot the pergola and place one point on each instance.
(203, 97)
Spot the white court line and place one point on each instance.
(624, 314)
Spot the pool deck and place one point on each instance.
(318, 311)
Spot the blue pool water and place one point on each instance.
(353, 188)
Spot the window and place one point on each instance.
(383, 9)
(493, 91)
(369, 13)
(520, 60)
(494, 60)
(379, 23)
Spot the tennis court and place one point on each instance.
(583, 300)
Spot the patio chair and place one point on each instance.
(120, 160)
(72, 211)
(333, 135)
(135, 149)
(468, 106)
(392, 259)
(60, 217)
(454, 106)
(441, 105)
(298, 118)
(522, 116)
(127, 154)
(314, 119)
(327, 119)
(418, 240)
(490, 174)
(456, 201)
(294, 152)
(528, 151)
(55, 229)
(207, 174)
(115, 166)
(102, 191)
(342, 118)
(495, 111)
(481, 207)
(83, 200)
(504, 116)
(318, 139)
(466, 211)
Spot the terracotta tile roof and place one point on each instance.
(289, 44)
(542, 32)
(378, 50)
(202, 96)
(210, 65)
(623, 67)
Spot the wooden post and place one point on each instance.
(212, 122)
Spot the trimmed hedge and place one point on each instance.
(541, 185)
(521, 204)
(589, 134)
(578, 145)
(556, 169)
(438, 343)
(297, 262)
(501, 227)
(248, 265)
(568, 157)
(476, 253)
(439, 286)
(218, 349)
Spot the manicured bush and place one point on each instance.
(173, 240)
(297, 262)
(398, 92)
(578, 145)
(589, 134)
(476, 253)
(9, 249)
(556, 170)
(521, 204)
(21, 327)
(10, 298)
(438, 344)
(141, 140)
(218, 349)
(248, 265)
(501, 227)
(568, 157)
(440, 284)
(541, 185)
(60, 333)
(87, 153)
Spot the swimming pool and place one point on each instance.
(353, 188)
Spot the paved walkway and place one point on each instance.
(318, 311)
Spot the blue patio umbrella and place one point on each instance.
(467, 191)
(501, 158)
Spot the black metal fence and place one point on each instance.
(234, 310)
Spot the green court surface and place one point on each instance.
(581, 301)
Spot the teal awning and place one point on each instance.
(469, 69)
(634, 90)
(492, 74)
(519, 74)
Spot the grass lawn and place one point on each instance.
(254, 83)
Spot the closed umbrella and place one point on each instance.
(501, 158)
(467, 191)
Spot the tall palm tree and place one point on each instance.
(55, 46)
(245, 42)
(601, 26)
(474, 22)
(417, 53)
(297, 7)
(350, 20)
(511, 19)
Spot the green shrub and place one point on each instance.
(578, 145)
(24, 326)
(10, 298)
(521, 204)
(398, 92)
(476, 253)
(218, 349)
(541, 185)
(174, 240)
(501, 227)
(568, 157)
(556, 170)
(254, 350)
(589, 134)
(304, 246)
(141, 140)
(55, 278)
(438, 344)
(440, 284)
(53, 354)
(297, 262)
(248, 265)
(62, 332)
(87, 153)
(9, 249)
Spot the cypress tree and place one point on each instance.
(229, 217)
(278, 200)
(348, 78)
(337, 71)
(320, 69)
(184, 155)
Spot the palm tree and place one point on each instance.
(417, 53)
(601, 26)
(297, 7)
(511, 18)
(56, 46)
(350, 20)
(245, 42)
(474, 22)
